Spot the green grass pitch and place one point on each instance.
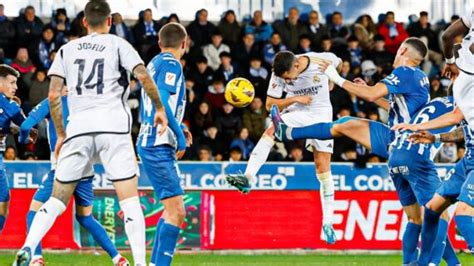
(185, 259)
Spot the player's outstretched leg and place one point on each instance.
(243, 182)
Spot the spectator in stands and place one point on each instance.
(230, 28)
(365, 30)
(77, 27)
(258, 75)
(290, 29)
(437, 89)
(201, 118)
(448, 153)
(204, 154)
(192, 52)
(30, 156)
(10, 153)
(340, 98)
(41, 49)
(295, 154)
(304, 45)
(354, 51)
(244, 50)
(229, 122)
(337, 28)
(38, 87)
(7, 31)
(61, 26)
(381, 57)
(22, 62)
(326, 44)
(210, 137)
(215, 92)
(28, 27)
(173, 17)
(214, 49)
(273, 47)
(121, 29)
(235, 154)
(146, 32)
(243, 142)
(202, 75)
(227, 69)
(423, 28)
(315, 30)
(258, 27)
(393, 32)
(201, 29)
(254, 119)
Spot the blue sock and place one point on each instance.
(410, 242)
(29, 219)
(2, 222)
(465, 225)
(440, 242)
(166, 244)
(98, 233)
(449, 254)
(155, 241)
(316, 131)
(429, 232)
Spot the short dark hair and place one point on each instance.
(283, 62)
(6, 70)
(337, 13)
(172, 35)
(97, 12)
(390, 13)
(423, 14)
(418, 45)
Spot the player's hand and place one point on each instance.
(16, 99)
(405, 126)
(160, 118)
(360, 81)
(180, 154)
(59, 145)
(304, 99)
(450, 71)
(188, 136)
(423, 137)
(33, 136)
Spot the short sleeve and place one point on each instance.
(396, 82)
(129, 57)
(276, 87)
(57, 67)
(167, 75)
(336, 61)
(466, 20)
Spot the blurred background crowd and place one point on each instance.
(222, 50)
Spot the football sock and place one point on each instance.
(326, 192)
(259, 156)
(410, 242)
(29, 219)
(98, 233)
(465, 224)
(43, 221)
(2, 222)
(449, 254)
(428, 234)
(166, 244)
(135, 228)
(320, 131)
(156, 240)
(440, 242)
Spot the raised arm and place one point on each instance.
(285, 102)
(56, 110)
(458, 27)
(426, 137)
(448, 119)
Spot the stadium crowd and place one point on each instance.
(218, 52)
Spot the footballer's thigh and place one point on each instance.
(117, 155)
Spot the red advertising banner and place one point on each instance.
(292, 219)
(60, 236)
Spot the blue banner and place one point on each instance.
(198, 176)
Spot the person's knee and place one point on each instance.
(83, 210)
(175, 210)
(464, 209)
(413, 213)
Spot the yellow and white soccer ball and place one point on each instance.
(239, 92)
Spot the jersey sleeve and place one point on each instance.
(276, 88)
(167, 74)
(15, 113)
(398, 82)
(40, 112)
(336, 61)
(57, 67)
(129, 57)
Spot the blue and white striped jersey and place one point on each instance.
(9, 112)
(435, 108)
(167, 73)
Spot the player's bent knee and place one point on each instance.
(83, 210)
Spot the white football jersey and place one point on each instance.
(95, 68)
(310, 82)
(465, 60)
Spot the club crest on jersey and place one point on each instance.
(316, 79)
(170, 78)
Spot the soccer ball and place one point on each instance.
(239, 92)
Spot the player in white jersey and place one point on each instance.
(95, 69)
(301, 90)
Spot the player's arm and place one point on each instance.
(38, 114)
(449, 119)
(381, 102)
(459, 27)
(426, 137)
(56, 105)
(285, 102)
(173, 124)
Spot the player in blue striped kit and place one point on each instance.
(9, 112)
(83, 195)
(159, 152)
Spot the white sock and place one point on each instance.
(116, 259)
(135, 228)
(43, 221)
(326, 191)
(259, 156)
